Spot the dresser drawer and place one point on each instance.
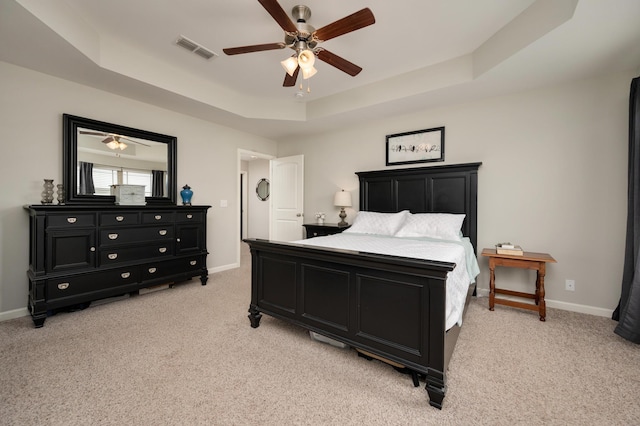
(121, 218)
(70, 220)
(131, 254)
(189, 216)
(158, 217)
(171, 267)
(114, 236)
(57, 288)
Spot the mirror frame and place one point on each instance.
(259, 185)
(70, 159)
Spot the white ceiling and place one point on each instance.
(418, 54)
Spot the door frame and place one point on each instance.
(258, 155)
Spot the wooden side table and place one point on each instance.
(529, 260)
(324, 229)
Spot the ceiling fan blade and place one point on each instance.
(277, 12)
(253, 48)
(109, 139)
(290, 80)
(355, 21)
(338, 62)
(134, 141)
(84, 132)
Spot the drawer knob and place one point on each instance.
(113, 236)
(152, 270)
(189, 216)
(158, 217)
(119, 218)
(162, 232)
(92, 249)
(162, 249)
(125, 274)
(63, 286)
(178, 239)
(193, 262)
(72, 219)
(112, 256)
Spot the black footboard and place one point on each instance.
(390, 306)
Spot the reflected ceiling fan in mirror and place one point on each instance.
(113, 141)
(303, 39)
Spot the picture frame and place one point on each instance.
(418, 146)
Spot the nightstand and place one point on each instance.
(320, 230)
(535, 261)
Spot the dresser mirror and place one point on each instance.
(98, 155)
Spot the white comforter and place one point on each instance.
(460, 253)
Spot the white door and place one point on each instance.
(287, 198)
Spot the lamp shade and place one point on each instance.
(306, 59)
(290, 65)
(308, 72)
(342, 199)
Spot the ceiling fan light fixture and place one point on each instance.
(306, 59)
(122, 146)
(113, 145)
(308, 72)
(290, 65)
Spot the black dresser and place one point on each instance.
(78, 254)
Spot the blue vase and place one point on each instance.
(186, 194)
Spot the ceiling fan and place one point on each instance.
(112, 140)
(304, 39)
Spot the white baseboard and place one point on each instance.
(565, 306)
(16, 313)
(223, 268)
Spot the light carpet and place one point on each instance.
(188, 356)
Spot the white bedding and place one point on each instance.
(459, 252)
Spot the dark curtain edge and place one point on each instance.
(628, 316)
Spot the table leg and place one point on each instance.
(492, 285)
(542, 306)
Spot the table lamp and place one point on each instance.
(342, 199)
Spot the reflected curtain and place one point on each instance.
(86, 179)
(157, 183)
(628, 310)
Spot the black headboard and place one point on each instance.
(436, 189)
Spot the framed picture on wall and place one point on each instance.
(419, 146)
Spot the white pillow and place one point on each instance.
(378, 223)
(444, 226)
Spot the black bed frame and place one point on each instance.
(387, 306)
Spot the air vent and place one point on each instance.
(196, 48)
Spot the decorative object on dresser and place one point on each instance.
(320, 216)
(344, 294)
(128, 195)
(527, 260)
(47, 191)
(79, 254)
(323, 229)
(419, 146)
(60, 194)
(342, 199)
(186, 195)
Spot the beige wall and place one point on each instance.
(553, 178)
(31, 108)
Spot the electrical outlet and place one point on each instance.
(570, 285)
